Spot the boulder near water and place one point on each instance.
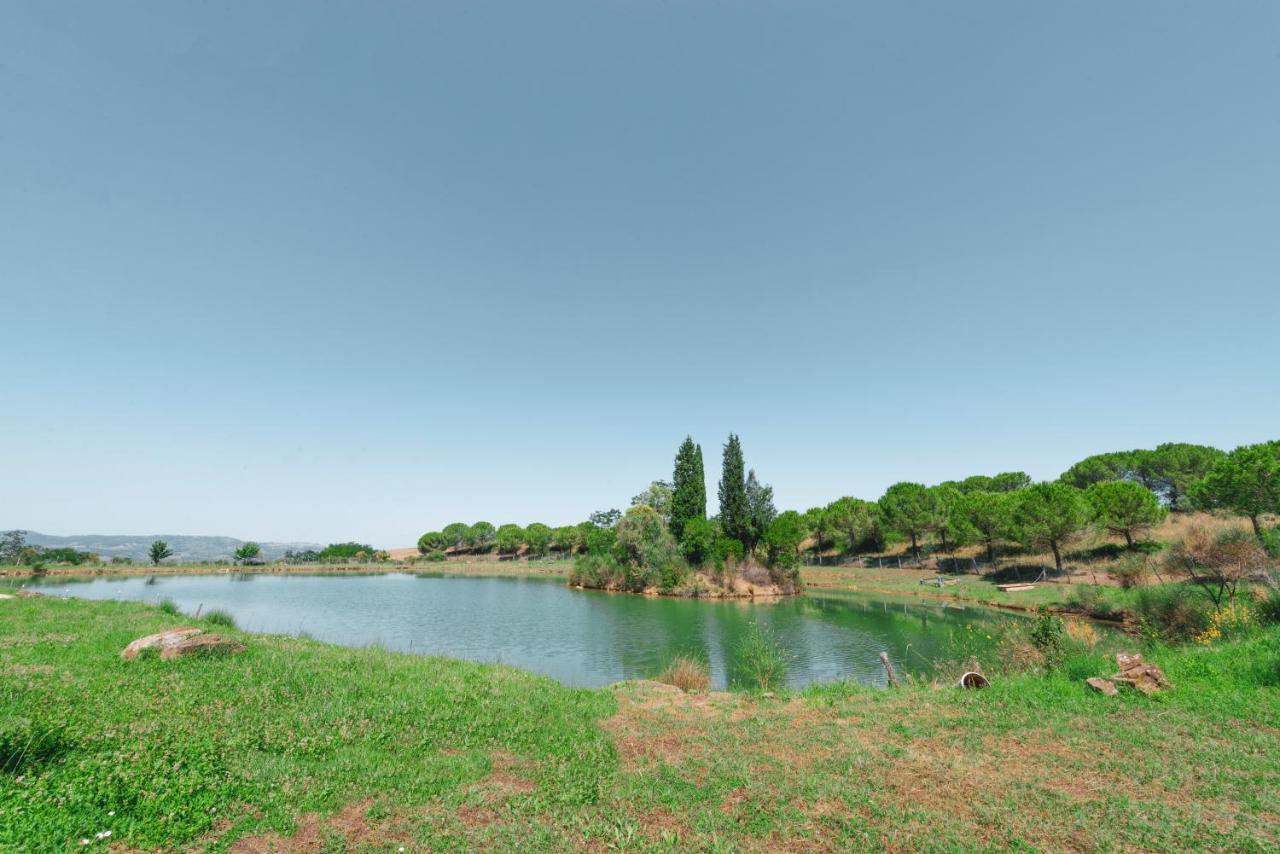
(163, 640)
(202, 645)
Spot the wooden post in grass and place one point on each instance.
(888, 669)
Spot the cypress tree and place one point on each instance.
(734, 513)
(689, 490)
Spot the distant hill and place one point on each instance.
(184, 548)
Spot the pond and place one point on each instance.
(584, 638)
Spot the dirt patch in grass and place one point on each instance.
(349, 825)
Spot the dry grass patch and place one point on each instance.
(687, 674)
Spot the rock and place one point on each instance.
(1147, 678)
(201, 645)
(160, 639)
(1102, 686)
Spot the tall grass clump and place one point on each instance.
(220, 618)
(762, 663)
(167, 606)
(687, 674)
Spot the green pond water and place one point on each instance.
(584, 638)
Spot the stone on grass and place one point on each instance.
(1102, 686)
(160, 639)
(1147, 678)
(202, 645)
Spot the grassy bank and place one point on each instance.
(341, 749)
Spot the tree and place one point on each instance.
(1010, 481)
(247, 553)
(480, 536)
(990, 514)
(509, 538)
(455, 534)
(783, 538)
(948, 522)
(911, 510)
(688, 487)
(1245, 481)
(859, 521)
(1050, 514)
(538, 537)
(698, 541)
(565, 537)
(1099, 467)
(1124, 507)
(760, 511)
(1173, 467)
(735, 515)
(819, 523)
(432, 541)
(658, 496)
(11, 545)
(346, 552)
(606, 518)
(977, 483)
(647, 552)
(159, 551)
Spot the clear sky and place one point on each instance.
(331, 271)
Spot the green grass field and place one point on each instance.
(325, 748)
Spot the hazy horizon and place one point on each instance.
(355, 272)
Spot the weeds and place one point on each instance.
(220, 618)
(761, 660)
(167, 606)
(687, 674)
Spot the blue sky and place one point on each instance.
(353, 270)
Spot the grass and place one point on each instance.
(688, 674)
(345, 749)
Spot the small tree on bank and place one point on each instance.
(509, 538)
(247, 553)
(159, 551)
(760, 511)
(432, 541)
(537, 536)
(1216, 564)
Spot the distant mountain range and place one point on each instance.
(184, 548)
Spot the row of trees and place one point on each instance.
(1123, 493)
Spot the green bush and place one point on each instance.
(167, 606)
(1271, 542)
(1268, 608)
(1049, 637)
(434, 557)
(1171, 612)
(727, 548)
(698, 542)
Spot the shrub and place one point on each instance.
(698, 541)
(727, 549)
(1081, 633)
(1131, 571)
(1268, 607)
(1047, 636)
(1271, 542)
(761, 660)
(1217, 563)
(220, 618)
(1229, 621)
(434, 557)
(1170, 612)
(167, 606)
(687, 674)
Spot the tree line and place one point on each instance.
(1124, 493)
